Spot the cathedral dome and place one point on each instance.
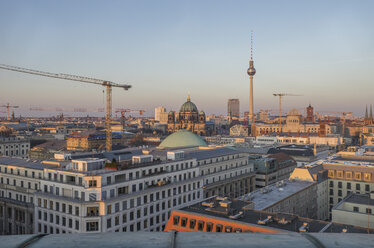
(293, 112)
(188, 107)
(182, 138)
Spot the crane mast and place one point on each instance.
(107, 84)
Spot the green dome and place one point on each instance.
(182, 138)
(188, 106)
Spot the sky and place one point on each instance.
(322, 50)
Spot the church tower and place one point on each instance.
(309, 114)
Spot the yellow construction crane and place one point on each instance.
(107, 84)
(280, 107)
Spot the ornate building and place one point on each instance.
(294, 124)
(188, 118)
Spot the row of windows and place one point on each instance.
(349, 175)
(149, 222)
(59, 207)
(141, 186)
(18, 172)
(20, 183)
(52, 229)
(18, 197)
(349, 186)
(16, 153)
(146, 173)
(222, 168)
(128, 204)
(201, 226)
(58, 220)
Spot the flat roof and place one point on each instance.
(363, 199)
(211, 153)
(294, 222)
(32, 164)
(264, 200)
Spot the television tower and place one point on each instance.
(251, 72)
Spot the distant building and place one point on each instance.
(295, 124)
(88, 141)
(233, 108)
(239, 130)
(302, 154)
(188, 118)
(160, 113)
(14, 146)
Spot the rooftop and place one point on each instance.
(276, 193)
(281, 221)
(32, 164)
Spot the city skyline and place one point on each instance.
(322, 51)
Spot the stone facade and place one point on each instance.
(188, 118)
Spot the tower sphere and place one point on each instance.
(251, 71)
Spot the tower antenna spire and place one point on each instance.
(251, 45)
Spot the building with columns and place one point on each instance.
(188, 118)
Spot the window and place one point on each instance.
(219, 228)
(92, 226)
(368, 210)
(348, 175)
(339, 192)
(200, 226)
(175, 220)
(339, 185)
(209, 226)
(228, 229)
(331, 173)
(367, 176)
(348, 185)
(109, 223)
(339, 174)
(357, 186)
(109, 209)
(192, 224)
(367, 187)
(184, 222)
(355, 209)
(358, 175)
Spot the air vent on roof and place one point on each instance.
(304, 227)
(236, 216)
(208, 204)
(265, 221)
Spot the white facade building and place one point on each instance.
(14, 146)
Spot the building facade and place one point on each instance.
(14, 146)
(233, 108)
(188, 118)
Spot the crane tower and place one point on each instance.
(107, 84)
